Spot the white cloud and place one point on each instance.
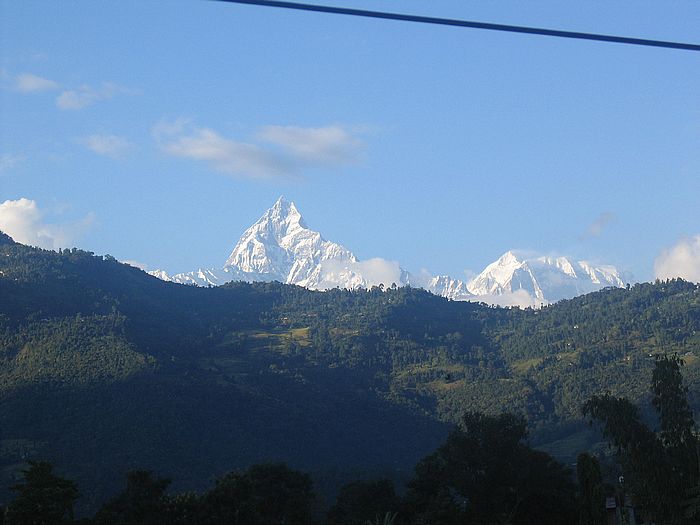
(231, 157)
(681, 260)
(108, 145)
(379, 271)
(285, 152)
(85, 95)
(77, 98)
(28, 83)
(331, 145)
(68, 99)
(364, 274)
(23, 220)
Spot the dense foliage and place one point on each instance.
(483, 474)
(42, 498)
(660, 468)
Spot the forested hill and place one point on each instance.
(104, 369)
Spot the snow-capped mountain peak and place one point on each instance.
(283, 215)
(446, 286)
(544, 278)
(279, 246)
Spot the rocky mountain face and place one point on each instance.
(280, 247)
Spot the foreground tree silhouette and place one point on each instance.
(486, 474)
(675, 416)
(142, 502)
(43, 498)
(659, 469)
(360, 502)
(591, 496)
(262, 495)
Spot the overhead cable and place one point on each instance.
(468, 24)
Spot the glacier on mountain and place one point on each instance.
(545, 279)
(280, 247)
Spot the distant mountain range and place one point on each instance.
(280, 247)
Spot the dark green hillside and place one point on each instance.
(105, 369)
(605, 341)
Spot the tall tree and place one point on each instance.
(262, 495)
(486, 473)
(42, 498)
(659, 469)
(142, 502)
(591, 493)
(362, 501)
(675, 416)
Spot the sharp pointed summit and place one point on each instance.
(280, 247)
(283, 211)
(277, 247)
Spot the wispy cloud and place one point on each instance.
(278, 151)
(168, 129)
(86, 95)
(23, 220)
(596, 228)
(107, 145)
(331, 145)
(9, 161)
(69, 98)
(681, 260)
(231, 157)
(29, 83)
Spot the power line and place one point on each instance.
(469, 24)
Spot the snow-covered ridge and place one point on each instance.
(446, 286)
(280, 247)
(546, 279)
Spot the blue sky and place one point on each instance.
(158, 131)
